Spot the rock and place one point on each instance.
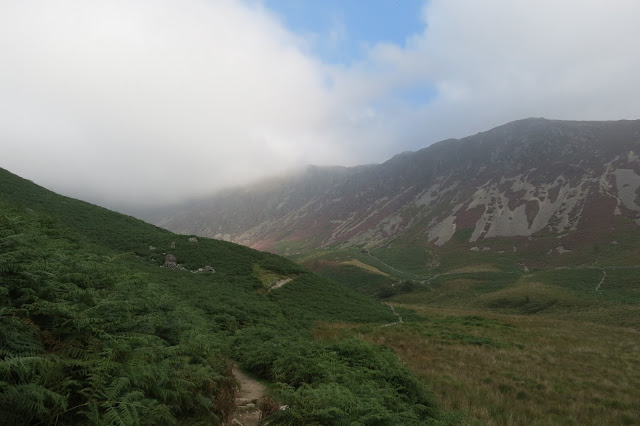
(614, 243)
(152, 248)
(173, 244)
(205, 270)
(170, 262)
(235, 422)
(193, 240)
(475, 249)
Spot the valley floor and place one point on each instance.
(514, 369)
(506, 345)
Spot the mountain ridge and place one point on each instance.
(94, 331)
(531, 176)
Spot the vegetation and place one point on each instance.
(343, 382)
(84, 341)
(552, 343)
(94, 331)
(517, 369)
(410, 259)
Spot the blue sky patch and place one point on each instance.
(416, 96)
(341, 30)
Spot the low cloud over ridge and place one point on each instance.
(141, 102)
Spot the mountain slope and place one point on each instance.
(520, 244)
(565, 184)
(93, 330)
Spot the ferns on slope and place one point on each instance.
(80, 339)
(91, 334)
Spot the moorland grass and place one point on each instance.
(551, 346)
(515, 369)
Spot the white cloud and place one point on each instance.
(155, 100)
(500, 60)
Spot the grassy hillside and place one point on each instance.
(94, 331)
(604, 289)
(506, 369)
(510, 337)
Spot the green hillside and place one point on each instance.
(507, 343)
(94, 331)
(603, 292)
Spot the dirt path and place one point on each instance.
(394, 313)
(604, 276)
(392, 268)
(250, 392)
(280, 283)
(600, 267)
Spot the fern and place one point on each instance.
(29, 402)
(90, 334)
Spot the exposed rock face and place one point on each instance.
(193, 240)
(524, 178)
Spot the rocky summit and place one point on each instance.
(572, 180)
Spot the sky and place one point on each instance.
(138, 103)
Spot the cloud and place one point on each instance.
(154, 100)
(142, 102)
(498, 60)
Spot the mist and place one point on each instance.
(141, 103)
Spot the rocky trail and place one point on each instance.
(248, 396)
(280, 283)
(394, 313)
(604, 276)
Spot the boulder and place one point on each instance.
(207, 270)
(170, 262)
